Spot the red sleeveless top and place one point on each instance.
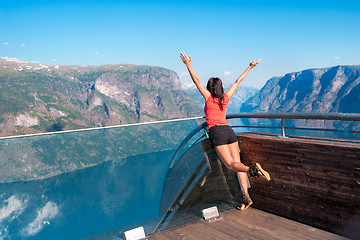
(215, 116)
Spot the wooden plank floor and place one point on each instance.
(250, 224)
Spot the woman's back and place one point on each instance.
(215, 115)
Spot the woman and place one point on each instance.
(222, 136)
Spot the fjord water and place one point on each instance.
(85, 202)
(120, 186)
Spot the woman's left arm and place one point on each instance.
(187, 61)
(233, 88)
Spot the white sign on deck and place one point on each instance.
(135, 234)
(211, 214)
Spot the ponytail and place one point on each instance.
(214, 86)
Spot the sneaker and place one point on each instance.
(246, 202)
(257, 170)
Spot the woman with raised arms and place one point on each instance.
(222, 136)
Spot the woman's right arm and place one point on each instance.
(233, 88)
(187, 60)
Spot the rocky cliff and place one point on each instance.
(323, 90)
(37, 97)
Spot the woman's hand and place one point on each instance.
(253, 63)
(185, 58)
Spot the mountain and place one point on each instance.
(322, 90)
(240, 96)
(38, 97)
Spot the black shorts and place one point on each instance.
(221, 135)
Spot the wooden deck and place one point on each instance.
(314, 180)
(249, 224)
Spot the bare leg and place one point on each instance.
(234, 150)
(230, 156)
(244, 185)
(243, 181)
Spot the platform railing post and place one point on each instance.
(283, 134)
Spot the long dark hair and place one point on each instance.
(214, 86)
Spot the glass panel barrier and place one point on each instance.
(90, 183)
(98, 183)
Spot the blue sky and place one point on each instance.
(221, 36)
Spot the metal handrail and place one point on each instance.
(283, 116)
(98, 128)
(296, 128)
(317, 116)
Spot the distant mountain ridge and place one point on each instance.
(39, 97)
(322, 90)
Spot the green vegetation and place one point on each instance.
(62, 97)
